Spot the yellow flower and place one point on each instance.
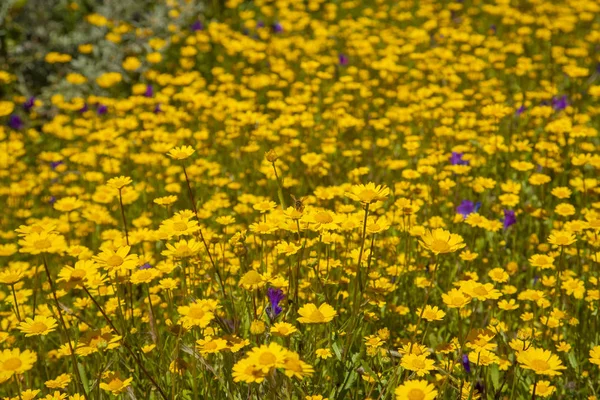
(369, 193)
(296, 368)
(252, 280)
(456, 298)
(209, 345)
(595, 355)
(144, 276)
(416, 390)
(39, 326)
(257, 327)
(179, 225)
(181, 153)
(15, 362)
(114, 384)
(561, 238)
(564, 209)
(182, 249)
(166, 200)
(154, 58)
(117, 260)
(108, 79)
(68, 204)
(131, 64)
(287, 248)
(542, 261)
(541, 361)
(418, 363)
(323, 353)
(479, 291)
(283, 329)
(246, 370)
(542, 389)
(11, 276)
(119, 182)
(440, 241)
(197, 314)
(60, 382)
(85, 48)
(75, 79)
(431, 313)
(310, 314)
(6, 107)
(267, 357)
(38, 243)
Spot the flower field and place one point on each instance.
(285, 199)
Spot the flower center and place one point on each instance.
(196, 313)
(38, 327)
(540, 365)
(114, 260)
(323, 218)
(418, 363)
(267, 359)
(42, 244)
(367, 195)
(416, 394)
(480, 291)
(317, 316)
(77, 274)
(441, 246)
(180, 226)
(12, 364)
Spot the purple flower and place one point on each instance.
(149, 91)
(15, 122)
(84, 108)
(28, 105)
(465, 363)
(197, 26)
(559, 103)
(102, 109)
(277, 28)
(146, 266)
(275, 296)
(260, 24)
(343, 60)
(509, 218)
(157, 109)
(456, 159)
(52, 200)
(55, 164)
(467, 207)
(520, 110)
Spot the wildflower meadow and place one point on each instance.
(300, 199)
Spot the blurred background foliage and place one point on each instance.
(115, 29)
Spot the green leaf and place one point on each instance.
(84, 378)
(337, 351)
(495, 373)
(573, 361)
